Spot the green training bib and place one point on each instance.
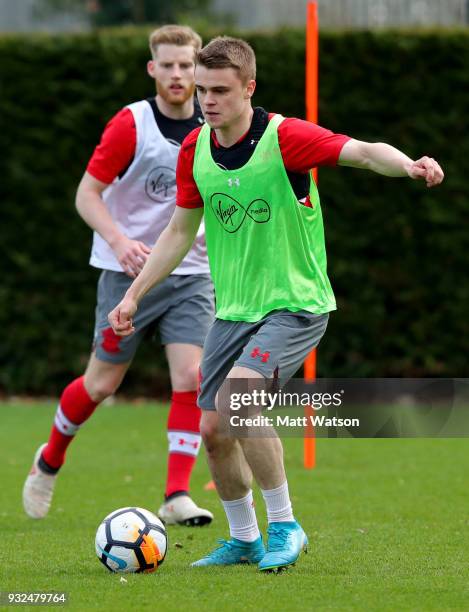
(266, 250)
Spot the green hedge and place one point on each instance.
(397, 251)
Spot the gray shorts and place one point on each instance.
(276, 346)
(181, 309)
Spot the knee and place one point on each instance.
(209, 433)
(101, 388)
(215, 441)
(211, 436)
(185, 377)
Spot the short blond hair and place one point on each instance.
(227, 52)
(174, 35)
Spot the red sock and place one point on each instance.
(184, 440)
(75, 407)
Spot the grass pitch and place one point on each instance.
(387, 521)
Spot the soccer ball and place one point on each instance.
(131, 540)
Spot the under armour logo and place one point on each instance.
(257, 353)
(182, 442)
(253, 142)
(111, 341)
(232, 182)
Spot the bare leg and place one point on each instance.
(230, 471)
(263, 454)
(183, 361)
(102, 379)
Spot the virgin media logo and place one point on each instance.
(231, 214)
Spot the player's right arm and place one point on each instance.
(111, 158)
(131, 254)
(169, 250)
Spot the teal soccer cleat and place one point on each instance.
(233, 552)
(284, 545)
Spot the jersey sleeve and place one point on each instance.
(116, 150)
(305, 145)
(188, 194)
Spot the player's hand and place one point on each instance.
(131, 254)
(428, 169)
(121, 317)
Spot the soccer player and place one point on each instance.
(248, 172)
(127, 196)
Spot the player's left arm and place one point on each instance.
(385, 159)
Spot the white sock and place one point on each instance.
(242, 518)
(278, 504)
